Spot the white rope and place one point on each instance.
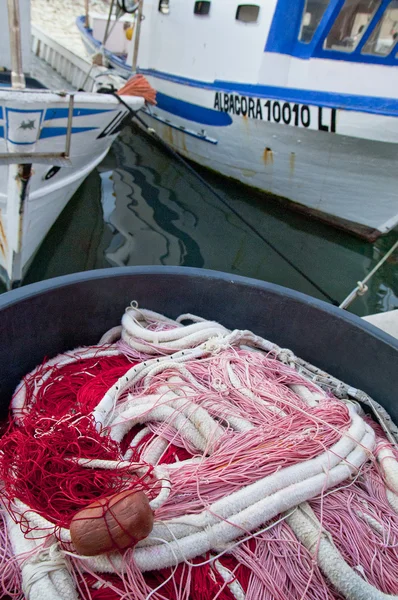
(234, 586)
(310, 533)
(44, 571)
(111, 336)
(389, 467)
(207, 536)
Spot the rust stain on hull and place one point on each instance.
(180, 139)
(3, 241)
(268, 156)
(292, 162)
(184, 146)
(168, 134)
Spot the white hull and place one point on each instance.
(33, 130)
(287, 108)
(387, 321)
(343, 177)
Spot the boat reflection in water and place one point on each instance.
(157, 212)
(160, 213)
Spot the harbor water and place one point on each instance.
(143, 207)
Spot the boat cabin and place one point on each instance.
(342, 46)
(350, 30)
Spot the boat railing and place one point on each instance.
(77, 71)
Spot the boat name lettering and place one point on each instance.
(277, 111)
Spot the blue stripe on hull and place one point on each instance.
(192, 112)
(62, 113)
(368, 104)
(198, 136)
(48, 132)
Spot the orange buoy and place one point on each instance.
(112, 523)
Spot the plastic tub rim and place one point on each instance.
(12, 297)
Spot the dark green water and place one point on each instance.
(142, 207)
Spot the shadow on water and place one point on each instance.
(144, 208)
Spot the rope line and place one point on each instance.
(231, 208)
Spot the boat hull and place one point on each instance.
(333, 163)
(347, 180)
(39, 174)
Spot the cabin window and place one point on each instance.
(350, 25)
(247, 13)
(202, 8)
(385, 34)
(164, 7)
(312, 16)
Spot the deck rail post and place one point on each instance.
(14, 25)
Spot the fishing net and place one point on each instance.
(178, 459)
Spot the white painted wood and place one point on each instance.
(70, 66)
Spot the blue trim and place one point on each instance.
(1, 131)
(285, 29)
(48, 132)
(23, 110)
(62, 113)
(192, 112)
(1, 112)
(22, 143)
(204, 138)
(181, 80)
(285, 26)
(326, 23)
(88, 38)
(372, 25)
(378, 16)
(283, 37)
(368, 104)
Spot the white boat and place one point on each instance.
(49, 143)
(387, 321)
(297, 98)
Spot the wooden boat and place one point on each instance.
(302, 106)
(49, 142)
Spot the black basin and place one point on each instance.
(43, 319)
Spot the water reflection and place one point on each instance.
(145, 208)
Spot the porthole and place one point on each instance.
(202, 8)
(247, 13)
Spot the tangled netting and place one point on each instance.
(266, 477)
